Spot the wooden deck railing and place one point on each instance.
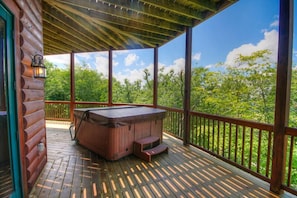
(248, 145)
(290, 181)
(60, 110)
(245, 144)
(57, 110)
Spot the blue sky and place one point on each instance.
(242, 28)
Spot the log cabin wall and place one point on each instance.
(30, 91)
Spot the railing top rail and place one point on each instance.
(237, 121)
(252, 124)
(291, 131)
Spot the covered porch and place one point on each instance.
(168, 177)
(37, 28)
(73, 171)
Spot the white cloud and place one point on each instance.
(177, 66)
(197, 56)
(119, 52)
(120, 76)
(59, 60)
(84, 55)
(275, 23)
(294, 53)
(102, 65)
(209, 66)
(270, 42)
(134, 74)
(115, 63)
(142, 63)
(130, 59)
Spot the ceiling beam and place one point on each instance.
(69, 27)
(72, 41)
(85, 24)
(132, 8)
(201, 4)
(172, 7)
(118, 36)
(135, 23)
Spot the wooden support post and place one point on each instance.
(155, 91)
(187, 87)
(283, 83)
(110, 77)
(72, 87)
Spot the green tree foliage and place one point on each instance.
(170, 88)
(261, 79)
(205, 94)
(90, 85)
(57, 84)
(244, 90)
(138, 92)
(293, 100)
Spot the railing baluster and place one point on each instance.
(194, 129)
(213, 136)
(204, 132)
(208, 134)
(224, 137)
(251, 147)
(268, 153)
(218, 137)
(229, 144)
(243, 146)
(181, 124)
(290, 161)
(200, 131)
(259, 150)
(236, 143)
(171, 123)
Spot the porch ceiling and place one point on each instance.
(99, 25)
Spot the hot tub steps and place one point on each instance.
(146, 147)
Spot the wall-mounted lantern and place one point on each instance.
(39, 70)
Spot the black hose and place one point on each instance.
(83, 117)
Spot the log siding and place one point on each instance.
(30, 92)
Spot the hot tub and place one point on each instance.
(111, 131)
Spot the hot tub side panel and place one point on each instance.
(122, 141)
(142, 129)
(87, 135)
(110, 143)
(157, 128)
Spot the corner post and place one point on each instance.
(110, 77)
(283, 83)
(155, 91)
(72, 87)
(187, 87)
